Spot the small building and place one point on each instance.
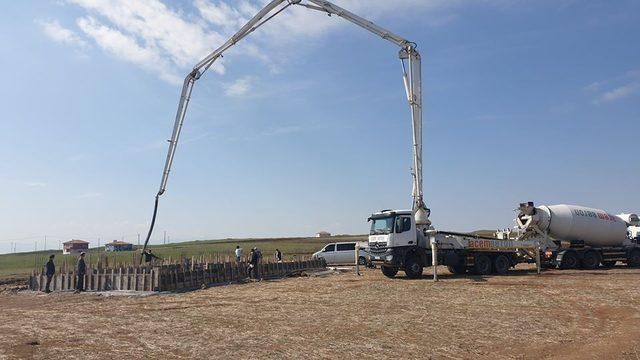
(117, 245)
(75, 246)
(322, 234)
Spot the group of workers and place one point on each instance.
(255, 257)
(81, 269)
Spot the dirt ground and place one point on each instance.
(560, 314)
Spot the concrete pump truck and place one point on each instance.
(399, 240)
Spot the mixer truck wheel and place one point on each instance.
(501, 264)
(482, 265)
(389, 271)
(633, 260)
(569, 260)
(590, 260)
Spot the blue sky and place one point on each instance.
(304, 127)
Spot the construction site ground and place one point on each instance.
(570, 314)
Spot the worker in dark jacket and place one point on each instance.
(49, 272)
(81, 271)
(253, 261)
(149, 256)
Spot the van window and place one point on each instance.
(345, 247)
(329, 248)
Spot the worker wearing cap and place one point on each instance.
(50, 271)
(81, 271)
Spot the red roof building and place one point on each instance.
(74, 246)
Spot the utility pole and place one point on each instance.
(164, 239)
(138, 239)
(45, 243)
(98, 242)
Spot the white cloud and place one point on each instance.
(89, 195)
(618, 88)
(36, 184)
(126, 48)
(166, 41)
(619, 93)
(56, 32)
(239, 87)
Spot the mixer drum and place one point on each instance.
(574, 223)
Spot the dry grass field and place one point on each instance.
(560, 314)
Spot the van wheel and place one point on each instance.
(590, 260)
(501, 264)
(633, 260)
(412, 268)
(569, 260)
(389, 271)
(482, 265)
(457, 269)
(362, 261)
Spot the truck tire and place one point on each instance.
(633, 260)
(457, 269)
(389, 271)
(590, 260)
(413, 267)
(482, 265)
(501, 264)
(608, 264)
(362, 261)
(569, 260)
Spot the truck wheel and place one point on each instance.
(569, 260)
(457, 269)
(389, 271)
(590, 260)
(608, 264)
(413, 268)
(482, 265)
(501, 264)
(362, 261)
(633, 260)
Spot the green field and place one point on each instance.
(18, 266)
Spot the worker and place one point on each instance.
(253, 263)
(148, 257)
(50, 271)
(238, 254)
(258, 261)
(278, 256)
(81, 271)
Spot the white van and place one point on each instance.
(341, 253)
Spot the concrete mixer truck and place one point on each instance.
(580, 237)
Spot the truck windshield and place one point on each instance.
(382, 226)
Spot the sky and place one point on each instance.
(304, 126)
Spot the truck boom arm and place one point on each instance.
(412, 82)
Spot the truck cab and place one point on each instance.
(395, 243)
